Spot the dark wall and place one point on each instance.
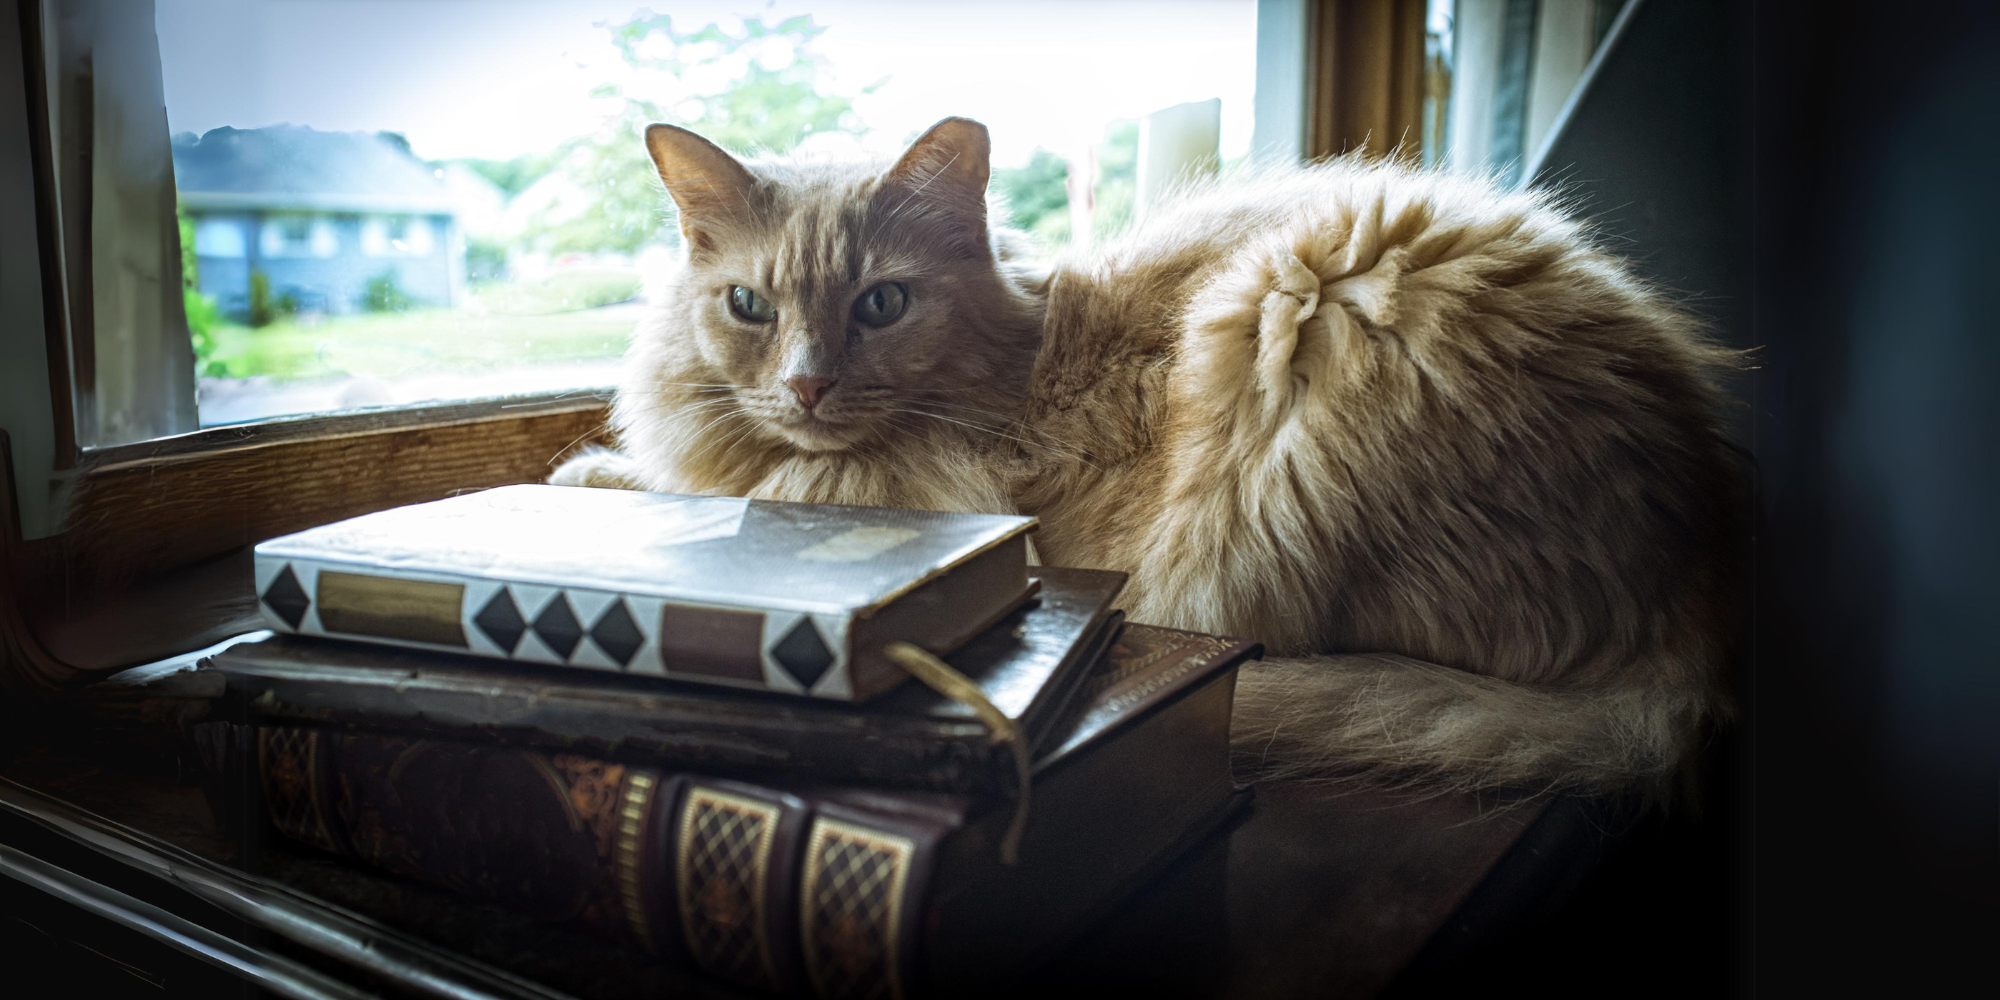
(1821, 180)
(1873, 724)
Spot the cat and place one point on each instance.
(1464, 474)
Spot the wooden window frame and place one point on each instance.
(152, 555)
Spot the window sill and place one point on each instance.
(153, 559)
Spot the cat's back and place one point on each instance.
(1420, 255)
(1434, 216)
(1455, 387)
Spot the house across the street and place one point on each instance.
(317, 221)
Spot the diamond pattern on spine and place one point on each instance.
(803, 653)
(617, 634)
(722, 870)
(557, 626)
(501, 620)
(850, 919)
(287, 598)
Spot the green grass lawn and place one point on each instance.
(387, 345)
(569, 317)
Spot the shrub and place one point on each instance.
(263, 309)
(485, 260)
(203, 315)
(382, 294)
(204, 318)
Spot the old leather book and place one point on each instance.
(1030, 666)
(804, 889)
(795, 598)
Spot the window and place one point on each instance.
(1498, 75)
(295, 236)
(220, 238)
(397, 236)
(458, 204)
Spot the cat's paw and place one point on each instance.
(600, 467)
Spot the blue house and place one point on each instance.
(336, 222)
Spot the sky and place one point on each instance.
(499, 78)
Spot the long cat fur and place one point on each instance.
(1461, 471)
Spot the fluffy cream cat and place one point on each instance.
(1461, 471)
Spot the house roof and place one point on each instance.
(303, 169)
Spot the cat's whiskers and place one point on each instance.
(721, 445)
(1004, 421)
(1057, 449)
(1001, 418)
(709, 423)
(677, 408)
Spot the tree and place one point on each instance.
(773, 103)
(1037, 196)
(203, 317)
(1117, 179)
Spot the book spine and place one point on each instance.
(860, 904)
(790, 651)
(752, 885)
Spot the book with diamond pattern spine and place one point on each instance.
(796, 598)
(808, 890)
(1030, 666)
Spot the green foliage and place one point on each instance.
(1117, 179)
(265, 308)
(203, 316)
(260, 299)
(485, 260)
(1037, 193)
(1037, 196)
(382, 294)
(760, 110)
(511, 176)
(204, 319)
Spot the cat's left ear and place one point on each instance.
(948, 166)
(708, 185)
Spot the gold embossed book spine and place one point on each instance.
(834, 892)
(698, 872)
(701, 872)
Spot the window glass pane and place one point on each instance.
(1497, 74)
(219, 236)
(386, 204)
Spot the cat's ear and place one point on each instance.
(708, 185)
(948, 166)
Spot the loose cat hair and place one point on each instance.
(1463, 473)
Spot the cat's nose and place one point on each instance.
(811, 389)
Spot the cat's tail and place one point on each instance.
(1393, 720)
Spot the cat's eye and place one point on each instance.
(750, 306)
(879, 306)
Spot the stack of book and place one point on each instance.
(683, 722)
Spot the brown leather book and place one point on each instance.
(808, 890)
(1030, 666)
(794, 598)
